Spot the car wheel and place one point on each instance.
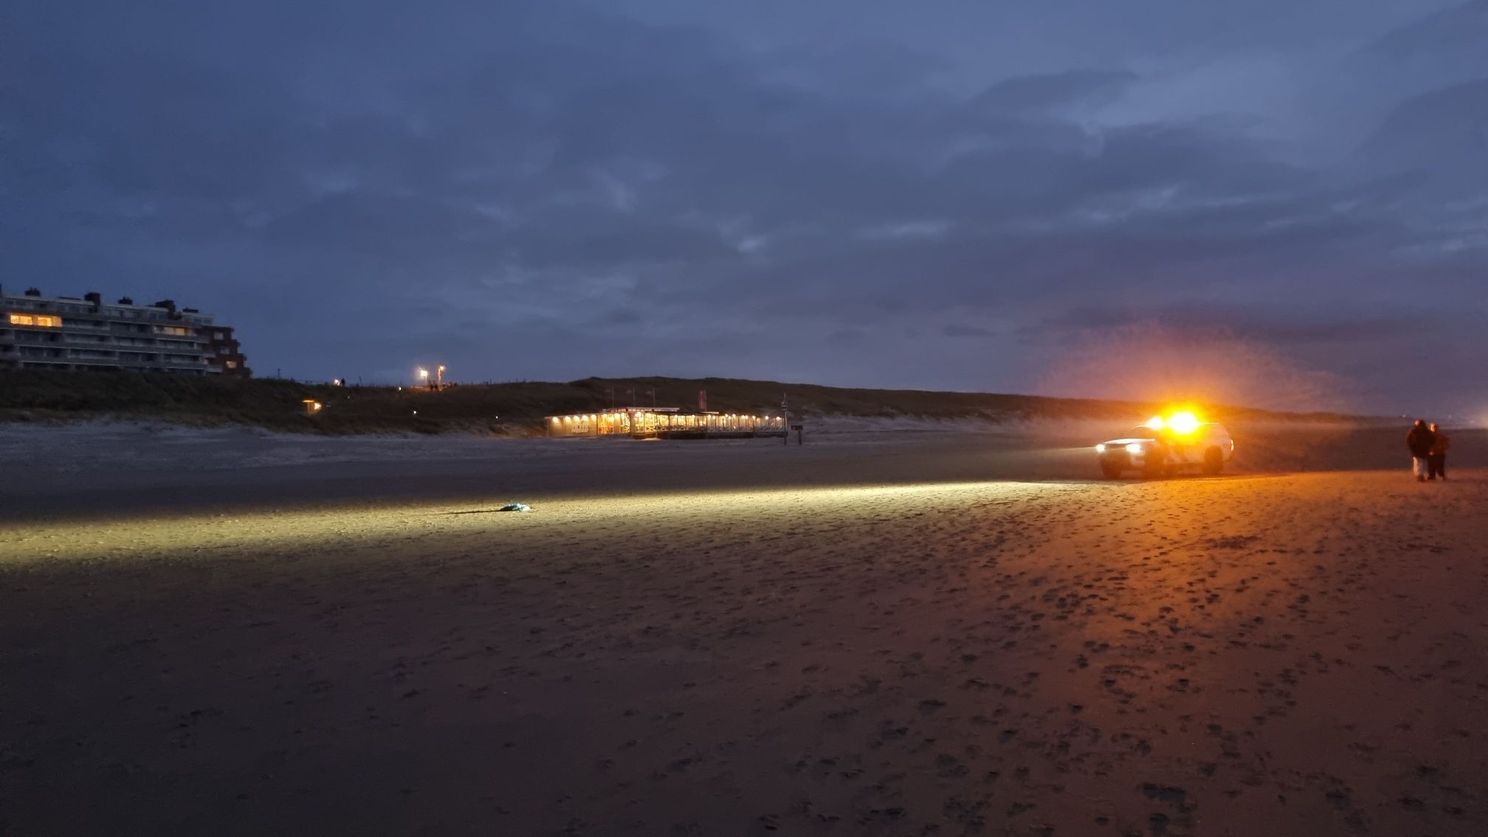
(1213, 461)
(1110, 470)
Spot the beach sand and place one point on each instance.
(876, 633)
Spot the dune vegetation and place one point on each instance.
(510, 408)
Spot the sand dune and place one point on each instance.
(864, 639)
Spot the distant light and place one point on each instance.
(1133, 448)
(1154, 423)
(1100, 448)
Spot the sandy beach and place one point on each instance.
(924, 632)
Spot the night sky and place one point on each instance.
(1277, 202)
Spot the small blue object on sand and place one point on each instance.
(515, 507)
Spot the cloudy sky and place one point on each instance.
(1277, 202)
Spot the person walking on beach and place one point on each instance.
(1419, 440)
(1436, 459)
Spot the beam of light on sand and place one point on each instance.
(200, 535)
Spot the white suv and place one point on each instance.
(1164, 446)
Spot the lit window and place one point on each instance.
(40, 320)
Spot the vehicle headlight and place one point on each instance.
(1133, 448)
(1100, 448)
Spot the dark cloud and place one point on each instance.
(1419, 134)
(847, 193)
(1051, 92)
(1281, 326)
(1443, 46)
(966, 331)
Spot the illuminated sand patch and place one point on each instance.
(290, 530)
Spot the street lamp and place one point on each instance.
(423, 376)
(440, 378)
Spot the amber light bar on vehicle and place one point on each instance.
(1182, 422)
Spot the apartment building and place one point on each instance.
(223, 350)
(79, 333)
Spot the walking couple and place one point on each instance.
(1428, 446)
